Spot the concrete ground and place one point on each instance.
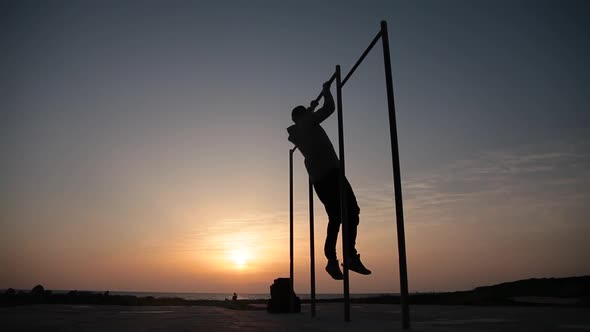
(365, 317)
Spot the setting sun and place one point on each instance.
(240, 258)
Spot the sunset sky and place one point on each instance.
(144, 147)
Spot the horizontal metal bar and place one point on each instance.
(358, 62)
(321, 93)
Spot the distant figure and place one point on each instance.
(323, 168)
(235, 297)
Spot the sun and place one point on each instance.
(240, 258)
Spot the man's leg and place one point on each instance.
(331, 238)
(328, 192)
(353, 210)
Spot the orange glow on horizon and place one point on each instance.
(240, 258)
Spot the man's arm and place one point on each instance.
(328, 108)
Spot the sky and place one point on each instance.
(144, 143)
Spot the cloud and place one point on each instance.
(523, 181)
(534, 185)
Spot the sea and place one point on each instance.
(223, 296)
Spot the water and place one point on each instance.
(245, 296)
(218, 296)
(223, 296)
(195, 296)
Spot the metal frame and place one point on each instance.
(404, 296)
(311, 235)
(311, 251)
(343, 214)
(291, 274)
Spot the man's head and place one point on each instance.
(298, 113)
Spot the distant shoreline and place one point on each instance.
(562, 292)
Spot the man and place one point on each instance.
(322, 166)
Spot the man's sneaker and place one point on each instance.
(333, 269)
(355, 264)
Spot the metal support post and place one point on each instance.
(311, 250)
(343, 209)
(397, 183)
(291, 221)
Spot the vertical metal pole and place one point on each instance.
(291, 221)
(399, 210)
(311, 250)
(343, 214)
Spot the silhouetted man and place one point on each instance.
(323, 168)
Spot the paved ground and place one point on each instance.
(365, 317)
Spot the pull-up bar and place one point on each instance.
(291, 274)
(311, 250)
(311, 236)
(353, 69)
(397, 181)
(362, 57)
(383, 35)
(322, 93)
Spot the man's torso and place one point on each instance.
(315, 145)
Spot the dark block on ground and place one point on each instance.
(282, 298)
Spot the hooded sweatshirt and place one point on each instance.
(313, 142)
